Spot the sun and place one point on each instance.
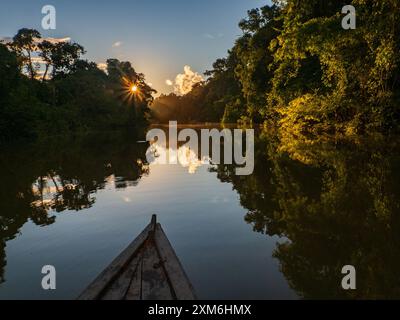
(134, 88)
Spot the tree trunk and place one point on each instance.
(45, 72)
(30, 65)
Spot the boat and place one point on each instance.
(148, 269)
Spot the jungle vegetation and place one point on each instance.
(296, 67)
(293, 67)
(68, 94)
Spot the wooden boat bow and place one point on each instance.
(148, 269)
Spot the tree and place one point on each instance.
(122, 78)
(25, 44)
(46, 52)
(347, 78)
(237, 86)
(297, 68)
(20, 107)
(77, 97)
(332, 203)
(64, 56)
(9, 72)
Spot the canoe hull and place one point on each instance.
(148, 269)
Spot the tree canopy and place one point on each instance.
(46, 88)
(296, 67)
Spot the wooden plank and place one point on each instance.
(119, 288)
(155, 284)
(100, 284)
(135, 287)
(177, 277)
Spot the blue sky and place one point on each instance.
(159, 37)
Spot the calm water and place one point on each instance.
(284, 232)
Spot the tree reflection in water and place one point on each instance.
(63, 175)
(336, 201)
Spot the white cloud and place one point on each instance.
(38, 60)
(54, 40)
(213, 36)
(185, 82)
(117, 44)
(169, 82)
(102, 66)
(37, 41)
(5, 40)
(40, 74)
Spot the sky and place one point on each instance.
(159, 37)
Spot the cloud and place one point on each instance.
(169, 82)
(5, 40)
(54, 40)
(127, 199)
(213, 36)
(117, 44)
(38, 60)
(208, 36)
(102, 66)
(37, 41)
(40, 74)
(185, 82)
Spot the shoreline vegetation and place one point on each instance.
(70, 96)
(294, 68)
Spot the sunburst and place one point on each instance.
(130, 90)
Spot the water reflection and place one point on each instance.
(185, 156)
(57, 176)
(194, 147)
(337, 203)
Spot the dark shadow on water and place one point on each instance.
(61, 175)
(337, 203)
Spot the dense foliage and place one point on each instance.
(331, 203)
(65, 93)
(65, 181)
(296, 65)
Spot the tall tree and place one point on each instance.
(46, 51)
(131, 87)
(64, 56)
(25, 44)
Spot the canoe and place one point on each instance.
(148, 269)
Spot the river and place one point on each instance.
(284, 232)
